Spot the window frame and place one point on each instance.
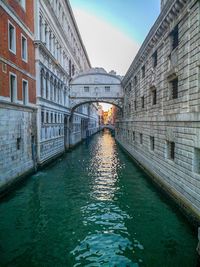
(155, 58)
(15, 90)
(88, 89)
(24, 37)
(152, 143)
(26, 102)
(15, 40)
(107, 89)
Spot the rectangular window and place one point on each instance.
(13, 87)
(142, 101)
(174, 37)
(196, 162)
(152, 143)
(143, 72)
(174, 88)
(129, 108)
(47, 117)
(135, 80)
(141, 138)
(18, 143)
(24, 48)
(155, 58)
(107, 88)
(133, 136)
(86, 89)
(171, 150)
(154, 97)
(73, 70)
(135, 105)
(11, 38)
(42, 116)
(25, 92)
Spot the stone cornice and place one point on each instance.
(170, 11)
(77, 31)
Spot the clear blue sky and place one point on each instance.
(113, 30)
(134, 17)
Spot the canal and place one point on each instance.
(93, 207)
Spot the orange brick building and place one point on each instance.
(17, 51)
(17, 90)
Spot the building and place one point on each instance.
(100, 112)
(60, 55)
(161, 123)
(40, 52)
(17, 90)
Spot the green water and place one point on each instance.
(93, 207)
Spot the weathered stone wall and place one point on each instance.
(17, 131)
(149, 129)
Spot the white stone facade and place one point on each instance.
(161, 124)
(60, 54)
(17, 142)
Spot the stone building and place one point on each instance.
(17, 90)
(60, 55)
(41, 50)
(161, 123)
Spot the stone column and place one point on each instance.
(43, 31)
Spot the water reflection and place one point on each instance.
(104, 169)
(109, 244)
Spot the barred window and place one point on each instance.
(143, 72)
(152, 143)
(133, 136)
(86, 89)
(154, 96)
(141, 138)
(107, 88)
(171, 150)
(155, 58)
(174, 88)
(174, 37)
(142, 100)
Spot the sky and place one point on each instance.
(113, 30)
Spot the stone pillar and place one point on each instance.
(47, 36)
(43, 31)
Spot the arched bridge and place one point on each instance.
(96, 85)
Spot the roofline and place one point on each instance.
(163, 14)
(97, 73)
(77, 30)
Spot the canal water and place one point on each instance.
(93, 207)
